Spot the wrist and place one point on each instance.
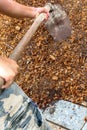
(33, 12)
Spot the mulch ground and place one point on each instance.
(50, 71)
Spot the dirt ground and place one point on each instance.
(50, 70)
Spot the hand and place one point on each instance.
(17, 10)
(8, 70)
(41, 10)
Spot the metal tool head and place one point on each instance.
(58, 23)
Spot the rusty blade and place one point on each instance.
(58, 23)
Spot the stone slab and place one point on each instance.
(67, 114)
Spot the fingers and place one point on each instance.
(42, 10)
(14, 66)
(9, 78)
(8, 70)
(7, 84)
(47, 12)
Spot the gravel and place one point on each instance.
(49, 70)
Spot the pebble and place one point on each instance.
(55, 78)
(17, 28)
(52, 57)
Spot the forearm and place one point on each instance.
(14, 9)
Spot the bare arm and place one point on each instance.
(14, 9)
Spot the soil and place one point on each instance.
(50, 71)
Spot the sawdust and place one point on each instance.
(50, 70)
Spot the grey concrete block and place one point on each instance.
(67, 114)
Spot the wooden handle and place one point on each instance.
(17, 52)
(27, 37)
